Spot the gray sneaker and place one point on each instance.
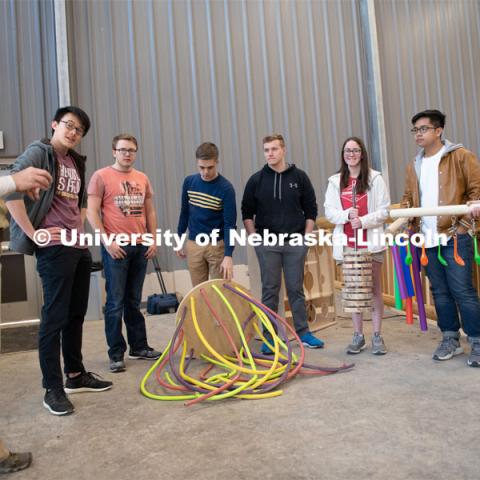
(357, 345)
(474, 357)
(378, 345)
(117, 366)
(448, 347)
(145, 354)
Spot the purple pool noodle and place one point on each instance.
(399, 272)
(418, 290)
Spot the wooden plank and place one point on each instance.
(209, 327)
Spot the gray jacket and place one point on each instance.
(40, 154)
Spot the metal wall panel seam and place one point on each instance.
(403, 114)
(35, 66)
(301, 100)
(213, 74)
(111, 70)
(268, 96)
(476, 108)
(133, 72)
(438, 78)
(451, 100)
(49, 61)
(476, 5)
(358, 67)
(326, 33)
(91, 77)
(63, 73)
(422, 49)
(409, 45)
(253, 161)
(378, 112)
(283, 82)
(193, 68)
(173, 70)
(15, 67)
(464, 128)
(316, 96)
(237, 162)
(156, 110)
(343, 63)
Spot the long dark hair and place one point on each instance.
(363, 177)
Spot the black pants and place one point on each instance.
(65, 274)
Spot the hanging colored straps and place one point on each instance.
(440, 257)
(473, 233)
(408, 257)
(423, 257)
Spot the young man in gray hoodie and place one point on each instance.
(446, 174)
(64, 270)
(280, 199)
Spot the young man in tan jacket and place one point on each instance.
(447, 174)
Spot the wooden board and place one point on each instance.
(208, 325)
(320, 313)
(357, 309)
(319, 289)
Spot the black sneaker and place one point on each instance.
(57, 403)
(87, 382)
(144, 354)
(15, 462)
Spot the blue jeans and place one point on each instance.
(124, 284)
(65, 275)
(452, 288)
(290, 259)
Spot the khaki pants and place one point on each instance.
(4, 453)
(204, 261)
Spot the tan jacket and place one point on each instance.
(458, 183)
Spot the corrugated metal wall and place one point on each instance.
(28, 85)
(177, 73)
(429, 53)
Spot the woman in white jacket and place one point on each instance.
(372, 199)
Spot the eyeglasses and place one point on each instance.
(71, 126)
(422, 129)
(350, 151)
(126, 151)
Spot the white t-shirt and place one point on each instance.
(429, 194)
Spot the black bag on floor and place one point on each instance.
(163, 302)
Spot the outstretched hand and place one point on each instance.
(31, 180)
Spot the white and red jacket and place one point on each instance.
(378, 200)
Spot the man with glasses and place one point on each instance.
(280, 199)
(120, 201)
(64, 270)
(447, 174)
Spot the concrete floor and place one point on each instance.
(401, 416)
